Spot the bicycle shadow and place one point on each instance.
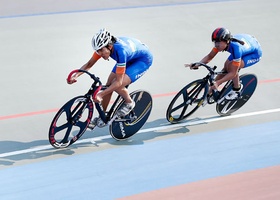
(141, 137)
(138, 139)
(13, 151)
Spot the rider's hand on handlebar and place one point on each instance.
(192, 66)
(71, 80)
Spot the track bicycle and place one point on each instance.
(195, 94)
(74, 117)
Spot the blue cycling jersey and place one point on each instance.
(132, 57)
(128, 49)
(250, 52)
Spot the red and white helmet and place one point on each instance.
(221, 34)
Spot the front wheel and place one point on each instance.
(187, 101)
(226, 107)
(125, 127)
(70, 122)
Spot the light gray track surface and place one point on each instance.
(41, 42)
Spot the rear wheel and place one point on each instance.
(187, 101)
(226, 107)
(125, 127)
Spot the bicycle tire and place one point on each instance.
(124, 128)
(70, 122)
(189, 98)
(227, 107)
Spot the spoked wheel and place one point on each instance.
(123, 128)
(187, 101)
(226, 107)
(70, 122)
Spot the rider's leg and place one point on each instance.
(231, 73)
(121, 91)
(246, 61)
(134, 71)
(129, 104)
(107, 98)
(229, 67)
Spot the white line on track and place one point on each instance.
(188, 123)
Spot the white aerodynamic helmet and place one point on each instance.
(101, 39)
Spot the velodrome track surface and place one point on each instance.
(206, 157)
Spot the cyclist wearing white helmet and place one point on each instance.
(133, 59)
(101, 39)
(244, 51)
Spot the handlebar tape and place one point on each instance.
(71, 73)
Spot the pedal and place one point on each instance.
(132, 116)
(91, 126)
(100, 123)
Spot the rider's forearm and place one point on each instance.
(80, 73)
(206, 59)
(86, 67)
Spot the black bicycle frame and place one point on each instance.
(103, 115)
(106, 117)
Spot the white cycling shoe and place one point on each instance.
(125, 109)
(97, 121)
(233, 95)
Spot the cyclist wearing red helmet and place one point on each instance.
(244, 51)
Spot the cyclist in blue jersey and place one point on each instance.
(133, 59)
(244, 50)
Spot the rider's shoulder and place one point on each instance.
(244, 37)
(122, 41)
